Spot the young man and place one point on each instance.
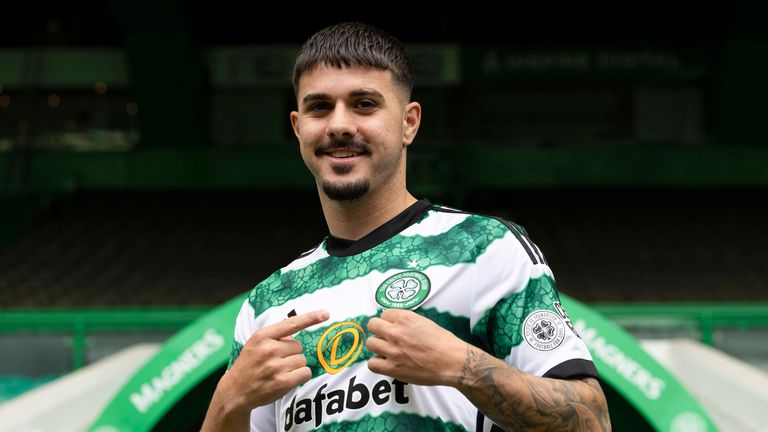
(430, 318)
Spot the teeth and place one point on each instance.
(342, 154)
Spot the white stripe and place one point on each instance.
(506, 270)
(533, 249)
(318, 254)
(541, 255)
(436, 223)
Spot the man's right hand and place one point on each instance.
(270, 364)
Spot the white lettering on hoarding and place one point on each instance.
(152, 391)
(628, 368)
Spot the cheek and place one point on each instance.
(310, 131)
(390, 131)
(310, 135)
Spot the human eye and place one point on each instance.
(317, 107)
(366, 104)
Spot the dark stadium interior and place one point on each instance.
(198, 248)
(640, 172)
(147, 163)
(100, 23)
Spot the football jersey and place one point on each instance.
(479, 277)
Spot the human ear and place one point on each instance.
(411, 122)
(295, 123)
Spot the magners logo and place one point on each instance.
(340, 345)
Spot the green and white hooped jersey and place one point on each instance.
(478, 276)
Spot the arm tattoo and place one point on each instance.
(518, 401)
(467, 368)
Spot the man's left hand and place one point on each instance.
(414, 349)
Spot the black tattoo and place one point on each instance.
(466, 369)
(518, 401)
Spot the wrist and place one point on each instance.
(226, 411)
(465, 377)
(478, 369)
(230, 401)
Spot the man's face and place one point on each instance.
(353, 126)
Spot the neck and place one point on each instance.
(352, 220)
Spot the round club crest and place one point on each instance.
(544, 330)
(404, 290)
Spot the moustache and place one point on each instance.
(352, 145)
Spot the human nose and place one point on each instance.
(341, 125)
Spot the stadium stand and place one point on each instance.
(202, 248)
(150, 249)
(652, 245)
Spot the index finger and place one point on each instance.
(294, 324)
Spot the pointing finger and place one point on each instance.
(294, 324)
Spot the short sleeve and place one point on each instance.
(517, 315)
(263, 418)
(243, 331)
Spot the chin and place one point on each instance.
(346, 190)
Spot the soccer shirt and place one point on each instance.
(480, 277)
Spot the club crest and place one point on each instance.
(404, 290)
(544, 330)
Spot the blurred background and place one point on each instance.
(148, 171)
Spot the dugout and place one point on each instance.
(172, 390)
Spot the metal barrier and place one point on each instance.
(79, 323)
(703, 318)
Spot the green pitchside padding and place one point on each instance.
(641, 394)
(172, 391)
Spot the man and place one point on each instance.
(430, 318)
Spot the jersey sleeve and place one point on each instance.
(517, 315)
(243, 331)
(263, 418)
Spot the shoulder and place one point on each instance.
(270, 290)
(506, 236)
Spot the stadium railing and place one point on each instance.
(700, 320)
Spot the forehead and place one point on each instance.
(333, 81)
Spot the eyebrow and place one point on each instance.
(354, 93)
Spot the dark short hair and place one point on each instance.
(354, 44)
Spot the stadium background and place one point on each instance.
(148, 171)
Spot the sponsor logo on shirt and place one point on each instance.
(404, 290)
(332, 403)
(544, 330)
(340, 345)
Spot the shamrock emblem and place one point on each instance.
(544, 330)
(402, 289)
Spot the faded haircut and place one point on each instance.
(354, 44)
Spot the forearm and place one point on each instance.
(518, 401)
(225, 412)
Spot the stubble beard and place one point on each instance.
(349, 191)
(355, 189)
(345, 191)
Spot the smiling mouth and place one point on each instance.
(343, 154)
(343, 150)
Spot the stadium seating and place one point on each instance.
(202, 248)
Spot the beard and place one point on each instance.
(349, 191)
